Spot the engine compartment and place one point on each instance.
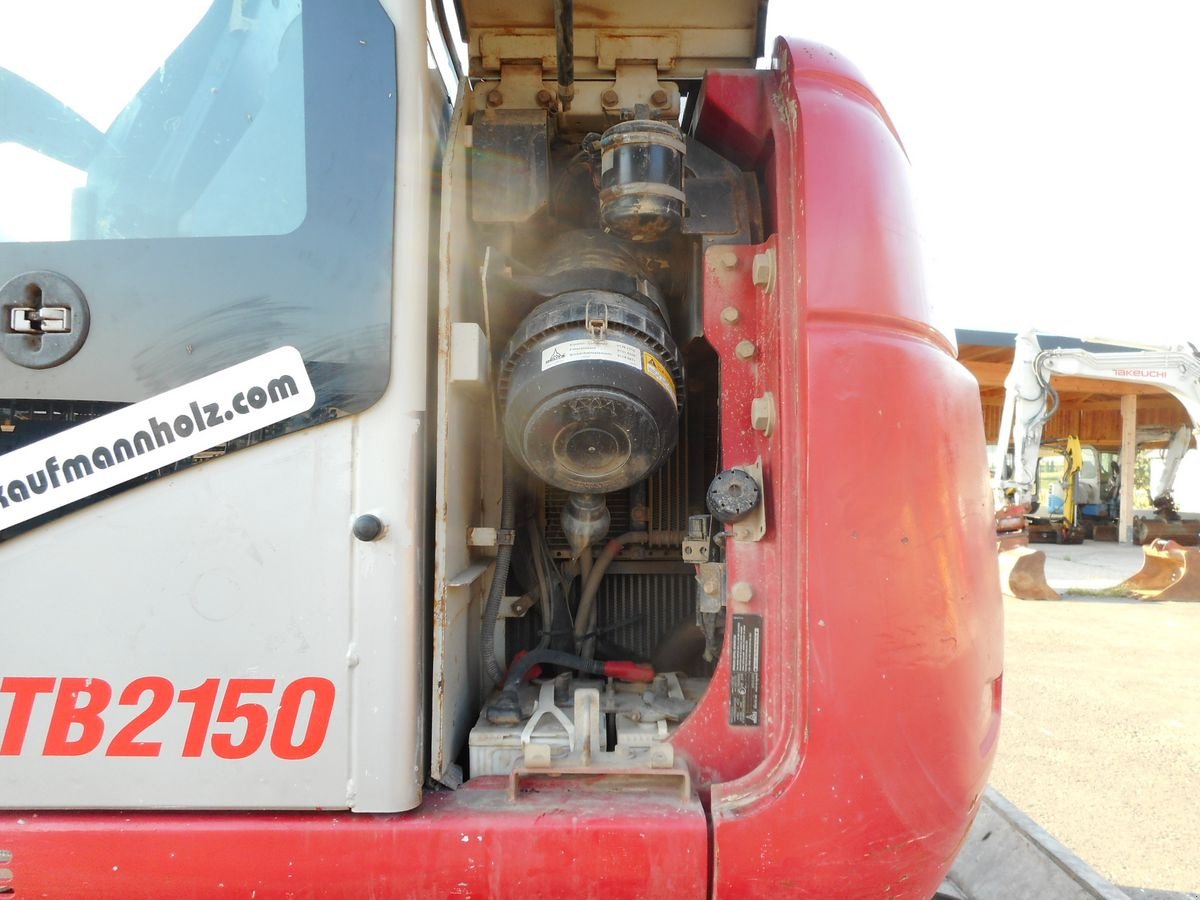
(582, 511)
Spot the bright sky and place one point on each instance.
(1055, 150)
(1055, 146)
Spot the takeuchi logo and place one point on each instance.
(1140, 373)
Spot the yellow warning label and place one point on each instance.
(656, 370)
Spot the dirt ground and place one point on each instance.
(1100, 742)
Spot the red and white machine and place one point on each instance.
(413, 494)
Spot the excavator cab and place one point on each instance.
(1058, 474)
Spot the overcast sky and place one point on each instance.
(1055, 152)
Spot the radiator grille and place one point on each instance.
(25, 421)
(644, 609)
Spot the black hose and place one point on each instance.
(506, 710)
(491, 609)
(551, 658)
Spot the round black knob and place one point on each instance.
(733, 495)
(367, 527)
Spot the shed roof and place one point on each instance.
(1088, 407)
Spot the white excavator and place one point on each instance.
(1030, 401)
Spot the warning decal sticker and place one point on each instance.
(145, 436)
(745, 664)
(653, 367)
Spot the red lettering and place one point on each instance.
(323, 691)
(162, 692)
(68, 712)
(297, 725)
(24, 691)
(254, 714)
(204, 700)
(1140, 373)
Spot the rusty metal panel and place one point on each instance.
(464, 416)
(684, 37)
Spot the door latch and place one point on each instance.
(41, 320)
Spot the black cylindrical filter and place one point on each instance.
(641, 179)
(591, 384)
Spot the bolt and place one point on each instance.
(610, 98)
(710, 586)
(659, 97)
(762, 413)
(367, 528)
(745, 350)
(494, 98)
(730, 315)
(742, 592)
(543, 97)
(728, 259)
(763, 271)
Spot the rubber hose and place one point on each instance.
(491, 609)
(506, 708)
(552, 658)
(587, 597)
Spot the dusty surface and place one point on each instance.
(1101, 735)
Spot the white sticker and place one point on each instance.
(174, 425)
(578, 351)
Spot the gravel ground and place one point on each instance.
(1101, 736)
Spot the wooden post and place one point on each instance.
(1128, 464)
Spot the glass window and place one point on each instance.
(179, 119)
(1089, 463)
(224, 188)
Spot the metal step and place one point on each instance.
(1007, 855)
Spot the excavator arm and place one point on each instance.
(1030, 401)
(1021, 423)
(1028, 390)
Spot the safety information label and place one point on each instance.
(655, 369)
(745, 675)
(579, 351)
(174, 425)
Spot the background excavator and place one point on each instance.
(1062, 524)
(1030, 401)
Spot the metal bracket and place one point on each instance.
(547, 707)
(711, 578)
(754, 526)
(486, 536)
(513, 607)
(596, 327)
(697, 546)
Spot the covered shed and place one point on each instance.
(1105, 414)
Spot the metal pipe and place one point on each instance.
(491, 609)
(564, 33)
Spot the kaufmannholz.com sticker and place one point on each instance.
(145, 436)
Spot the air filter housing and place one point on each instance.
(591, 388)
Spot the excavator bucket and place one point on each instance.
(1023, 574)
(1169, 572)
(1180, 531)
